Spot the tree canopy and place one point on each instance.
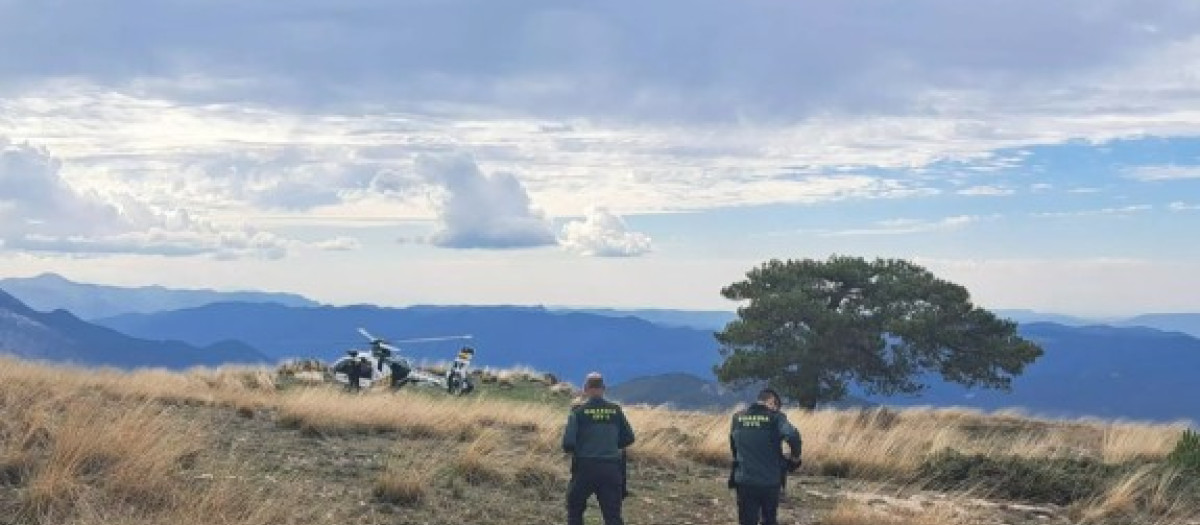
(810, 328)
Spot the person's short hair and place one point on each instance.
(593, 380)
(768, 394)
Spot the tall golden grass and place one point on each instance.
(93, 456)
(103, 446)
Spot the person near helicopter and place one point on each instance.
(356, 367)
(457, 379)
(398, 367)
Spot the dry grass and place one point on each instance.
(325, 411)
(102, 446)
(1147, 491)
(851, 512)
(400, 485)
(76, 451)
(870, 445)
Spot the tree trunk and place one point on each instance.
(808, 399)
(809, 390)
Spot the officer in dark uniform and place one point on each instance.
(353, 370)
(400, 369)
(759, 468)
(596, 434)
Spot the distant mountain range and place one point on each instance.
(1100, 371)
(682, 391)
(1141, 368)
(1130, 372)
(61, 337)
(699, 319)
(1186, 323)
(1104, 371)
(50, 291)
(568, 344)
(717, 319)
(689, 392)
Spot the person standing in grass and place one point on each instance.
(759, 468)
(596, 435)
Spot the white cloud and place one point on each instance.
(36, 200)
(340, 244)
(698, 120)
(1119, 211)
(1182, 206)
(909, 226)
(603, 234)
(1164, 173)
(986, 191)
(778, 60)
(223, 245)
(41, 212)
(481, 211)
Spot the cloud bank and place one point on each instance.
(41, 212)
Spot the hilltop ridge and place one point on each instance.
(61, 337)
(50, 291)
(244, 447)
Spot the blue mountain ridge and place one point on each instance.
(50, 291)
(1177, 322)
(60, 337)
(1102, 371)
(567, 344)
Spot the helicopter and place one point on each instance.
(383, 361)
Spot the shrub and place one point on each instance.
(534, 474)
(1187, 451)
(1039, 480)
(399, 490)
(477, 471)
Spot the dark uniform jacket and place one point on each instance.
(755, 435)
(597, 430)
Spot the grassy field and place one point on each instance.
(248, 446)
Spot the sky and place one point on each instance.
(1046, 155)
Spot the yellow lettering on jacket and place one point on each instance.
(600, 414)
(752, 420)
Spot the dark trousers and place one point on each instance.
(755, 501)
(600, 478)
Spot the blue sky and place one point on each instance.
(1045, 155)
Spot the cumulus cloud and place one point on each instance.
(41, 212)
(603, 234)
(34, 199)
(478, 210)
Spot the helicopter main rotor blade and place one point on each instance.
(368, 335)
(432, 339)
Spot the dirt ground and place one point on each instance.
(335, 476)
